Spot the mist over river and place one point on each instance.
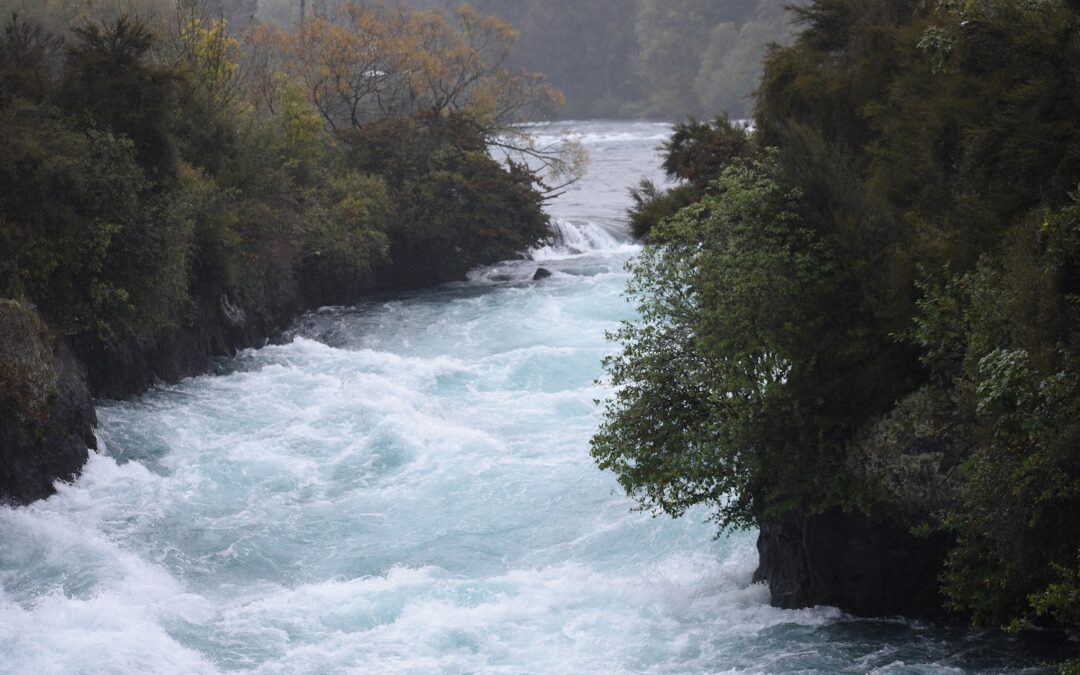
(405, 487)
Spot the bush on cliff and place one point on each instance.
(734, 311)
(27, 378)
(695, 155)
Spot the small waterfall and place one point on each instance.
(572, 238)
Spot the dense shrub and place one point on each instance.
(696, 154)
(456, 206)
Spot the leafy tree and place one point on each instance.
(708, 382)
(346, 244)
(29, 55)
(109, 77)
(456, 205)
(696, 154)
(1003, 338)
(67, 194)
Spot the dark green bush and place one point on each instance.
(456, 206)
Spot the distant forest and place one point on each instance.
(623, 58)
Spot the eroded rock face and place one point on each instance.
(908, 462)
(27, 376)
(862, 566)
(46, 411)
(217, 327)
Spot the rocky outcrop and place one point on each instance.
(911, 457)
(46, 411)
(862, 566)
(909, 462)
(218, 327)
(48, 385)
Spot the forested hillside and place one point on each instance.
(865, 316)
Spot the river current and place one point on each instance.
(404, 486)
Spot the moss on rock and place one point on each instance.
(27, 376)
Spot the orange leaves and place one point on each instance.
(363, 60)
(345, 63)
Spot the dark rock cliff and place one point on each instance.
(866, 567)
(46, 410)
(909, 462)
(121, 368)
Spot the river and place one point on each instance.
(404, 486)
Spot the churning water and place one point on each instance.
(405, 487)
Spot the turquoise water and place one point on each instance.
(405, 487)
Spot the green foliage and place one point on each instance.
(68, 193)
(705, 409)
(26, 52)
(109, 77)
(1004, 336)
(652, 205)
(137, 188)
(698, 151)
(1060, 599)
(696, 154)
(456, 206)
(949, 167)
(346, 243)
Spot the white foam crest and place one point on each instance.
(562, 618)
(302, 353)
(573, 238)
(108, 633)
(648, 134)
(569, 617)
(74, 513)
(95, 606)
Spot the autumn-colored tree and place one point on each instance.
(359, 61)
(346, 62)
(462, 67)
(205, 47)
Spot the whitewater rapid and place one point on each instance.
(404, 486)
